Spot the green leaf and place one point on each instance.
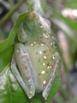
(5, 57)
(12, 92)
(71, 4)
(71, 23)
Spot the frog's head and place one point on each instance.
(32, 27)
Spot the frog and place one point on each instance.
(35, 59)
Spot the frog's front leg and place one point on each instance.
(46, 91)
(16, 73)
(23, 72)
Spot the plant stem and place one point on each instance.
(10, 13)
(11, 2)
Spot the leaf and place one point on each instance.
(12, 92)
(71, 23)
(5, 58)
(71, 4)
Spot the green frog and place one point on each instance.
(35, 58)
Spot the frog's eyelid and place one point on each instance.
(19, 79)
(49, 85)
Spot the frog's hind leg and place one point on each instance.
(29, 92)
(49, 85)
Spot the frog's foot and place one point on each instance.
(30, 92)
(46, 91)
